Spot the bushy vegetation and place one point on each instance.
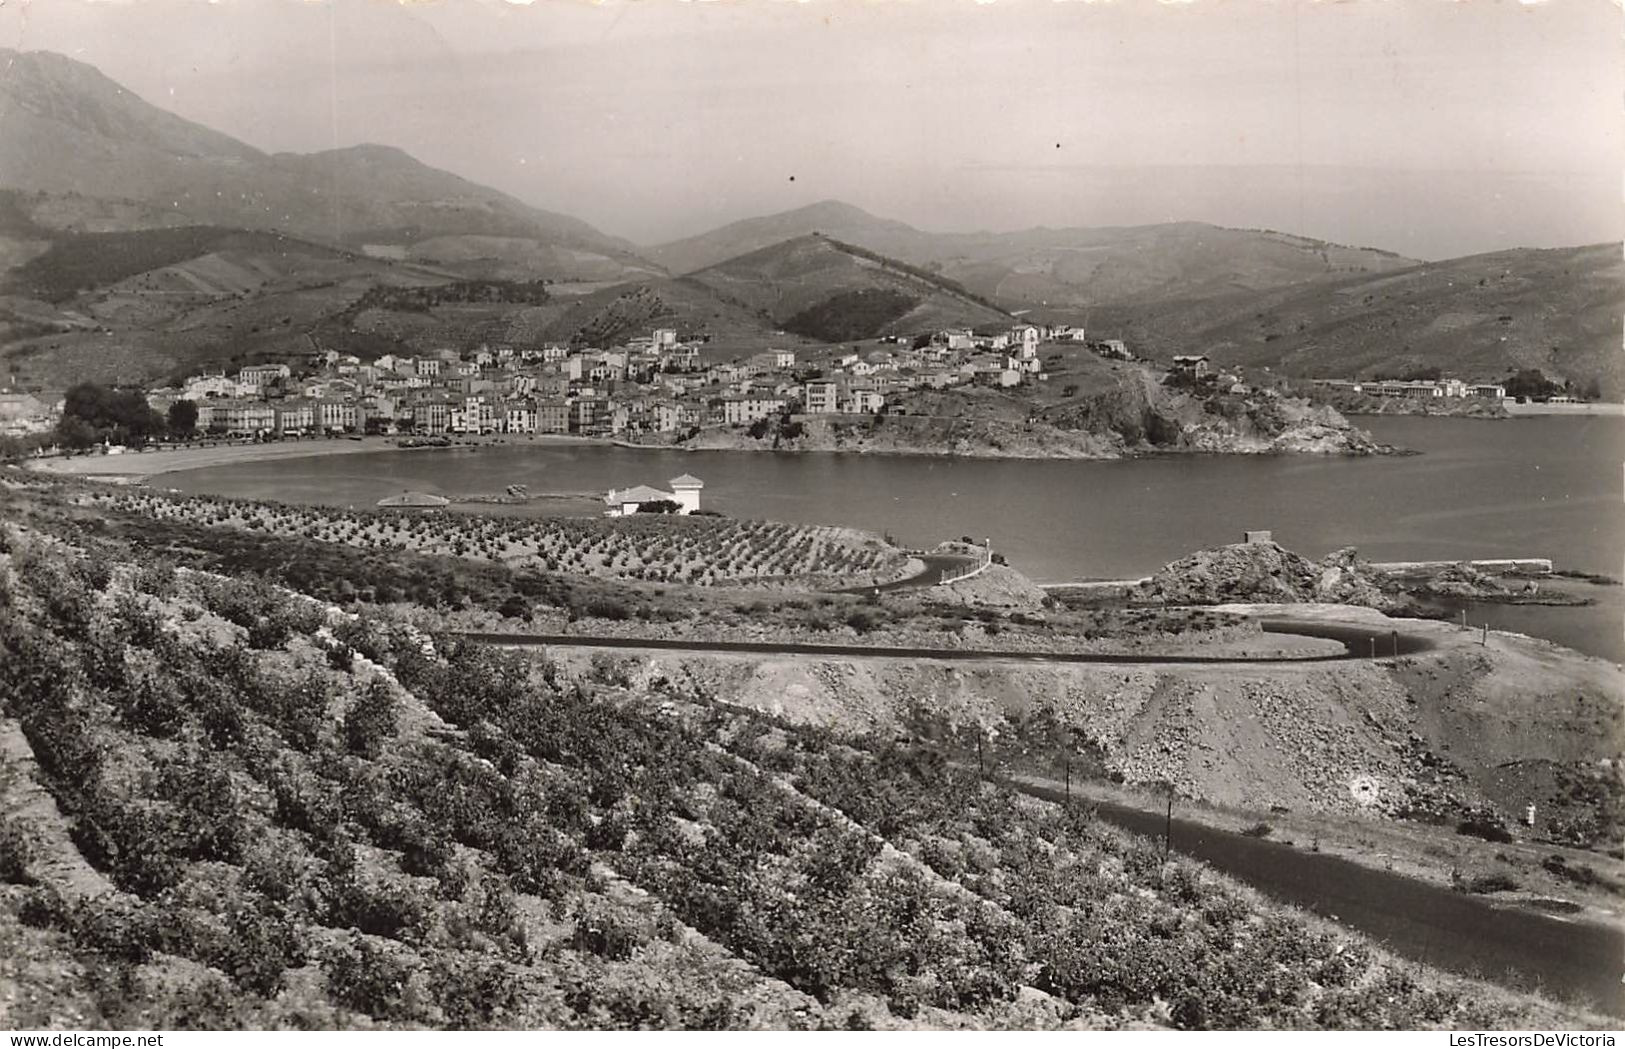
(384, 297)
(439, 834)
(918, 272)
(92, 413)
(860, 314)
(77, 262)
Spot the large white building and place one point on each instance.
(822, 397)
(737, 411)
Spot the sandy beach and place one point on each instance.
(1594, 408)
(137, 466)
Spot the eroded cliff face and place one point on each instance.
(1438, 736)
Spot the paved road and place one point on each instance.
(935, 566)
(1475, 935)
(1467, 934)
(1359, 642)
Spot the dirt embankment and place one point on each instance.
(996, 586)
(1464, 733)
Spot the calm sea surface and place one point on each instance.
(1531, 487)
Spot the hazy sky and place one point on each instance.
(1428, 127)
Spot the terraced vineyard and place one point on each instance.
(705, 551)
(262, 816)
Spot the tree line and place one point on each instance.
(95, 414)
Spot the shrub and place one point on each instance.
(864, 620)
(370, 979)
(261, 947)
(17, 851)
(599, 931)
(42, 908)
(372, 720)
(1485, 825)
(1578, 873)
(341, 657)
(117, 928)
(388, 910)
(608, 608)
(1488, 883)
(269, 632)
(425, 851)
(473, 993)
(1258, 830)
(608, 834)
(158, 578)
(139, 847)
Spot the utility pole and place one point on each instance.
(1485, 639)
(1373, 648)
(1168, 825)
(1396, 644)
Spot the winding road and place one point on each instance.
(1496, 941)
(1473, 935)
(1359, 642)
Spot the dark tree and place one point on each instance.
(75, 434)
(121, 416)
(1531, 384)
(182, 419)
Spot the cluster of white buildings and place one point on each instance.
(652, 384)
(1420, 389)
(23, 414)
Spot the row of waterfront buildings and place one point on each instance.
(1417, 389)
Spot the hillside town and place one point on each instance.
(651, 384)
(658, 384)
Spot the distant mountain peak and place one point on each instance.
(55, 89)
(835, 210)
(370, 151)
(747, 235)
(66, 128)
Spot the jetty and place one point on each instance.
(1494, 565)
(413, 501)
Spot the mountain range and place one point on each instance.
(134, 243)
(1056, 267)
(107, 160)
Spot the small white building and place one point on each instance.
(685, 492)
